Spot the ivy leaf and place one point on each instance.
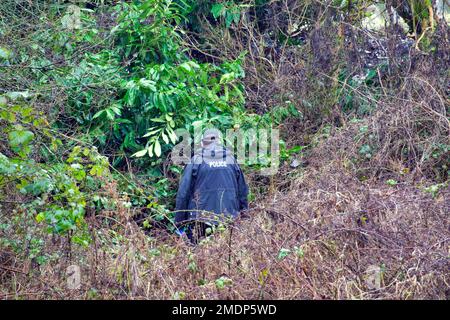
(96, 170)
(79, 175)
(222, 282)
(236, 17)
(19, 138)
(40, 217)
(39, 186)
(229, 17)
(4, 53)
(6, 167)
(283, 253)
(3, 101)
(15, 95)
(8, 116)
(217, 10)
(391, 182)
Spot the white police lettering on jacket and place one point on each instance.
(217, 164)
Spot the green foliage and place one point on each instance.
(58, 192)
(341, 4)
(4, 53)
(19, 140)
(435, 188)
(62, 191)
(420, 12)
(391, 182)
(287, 153)
(353, 88)
(299, 251)
(222, 282)
(230, 12)
(154, 87)
(226, 12)
(366, 151)
(128, 85)
(164, 131)
(283, 253)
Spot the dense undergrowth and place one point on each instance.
(92, 94)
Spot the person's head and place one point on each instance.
(210, 136)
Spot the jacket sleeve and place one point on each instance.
(184, 193)
(242, 190)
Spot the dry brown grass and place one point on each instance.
(340, 226)
(407, 133)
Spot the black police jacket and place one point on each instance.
(212, 188)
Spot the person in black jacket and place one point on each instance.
(212, 189)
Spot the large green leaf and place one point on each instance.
(19, 138)
(6, 167)
(140, 153)
(217, 10)
(15, 95)
(157, 148)
(4, 53)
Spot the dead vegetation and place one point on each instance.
(330, 237)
